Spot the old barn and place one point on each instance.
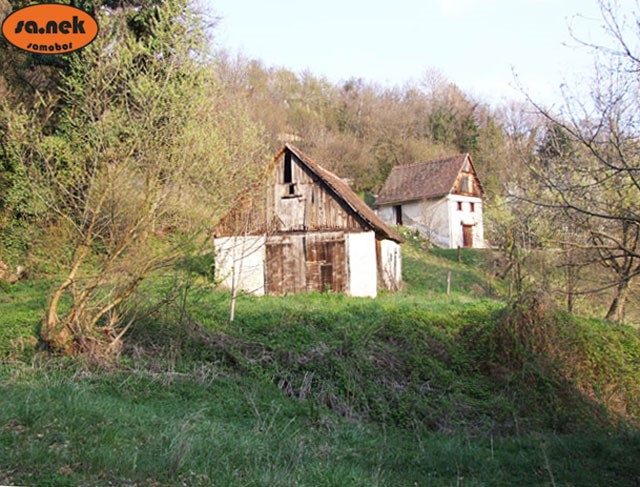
(304, 229)
(442, 199)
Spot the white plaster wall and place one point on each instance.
(430, 218)
(386, 214)
(467, 217)
(363, 269)
(391, 264)
(240, 260)
(433, 216)
(440, 219)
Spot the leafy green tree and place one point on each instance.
(146, 155)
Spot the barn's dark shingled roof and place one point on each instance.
(423, 180)
(343, 191)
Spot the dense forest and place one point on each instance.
(100, 154)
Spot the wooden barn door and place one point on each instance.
(285, 272)
(302, 262)
(326, 263)
(467, 236)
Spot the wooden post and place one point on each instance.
(448, 282)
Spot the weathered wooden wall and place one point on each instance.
(306, 262)
(306, 203)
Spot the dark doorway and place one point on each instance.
(397, 210)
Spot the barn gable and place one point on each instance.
(303, 200)
(301, 195)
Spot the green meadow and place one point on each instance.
(416, 388)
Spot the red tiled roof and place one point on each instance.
(423, 180)
(345, 193)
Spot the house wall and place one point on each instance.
(440, 220)
(465, 216)
(386, 214)
(363, 272)
(291, 263)
(430, 218)
(390, 264)
(240, 261)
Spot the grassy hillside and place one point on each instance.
(418, 388)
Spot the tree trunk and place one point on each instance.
(616, 310)
(54, 334)
(570, 276)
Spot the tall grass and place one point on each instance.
(74, 426)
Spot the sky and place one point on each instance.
(480, 45)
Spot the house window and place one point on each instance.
(288, 174)
(397, 210)
(472, 207)
(459, 205)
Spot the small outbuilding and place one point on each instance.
(442, 199)
(304, 229)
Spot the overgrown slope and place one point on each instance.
(418, 387)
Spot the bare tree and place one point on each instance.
(596, 184)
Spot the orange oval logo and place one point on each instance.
(50, 28)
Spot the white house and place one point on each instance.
(304, 229)
(442, 199)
